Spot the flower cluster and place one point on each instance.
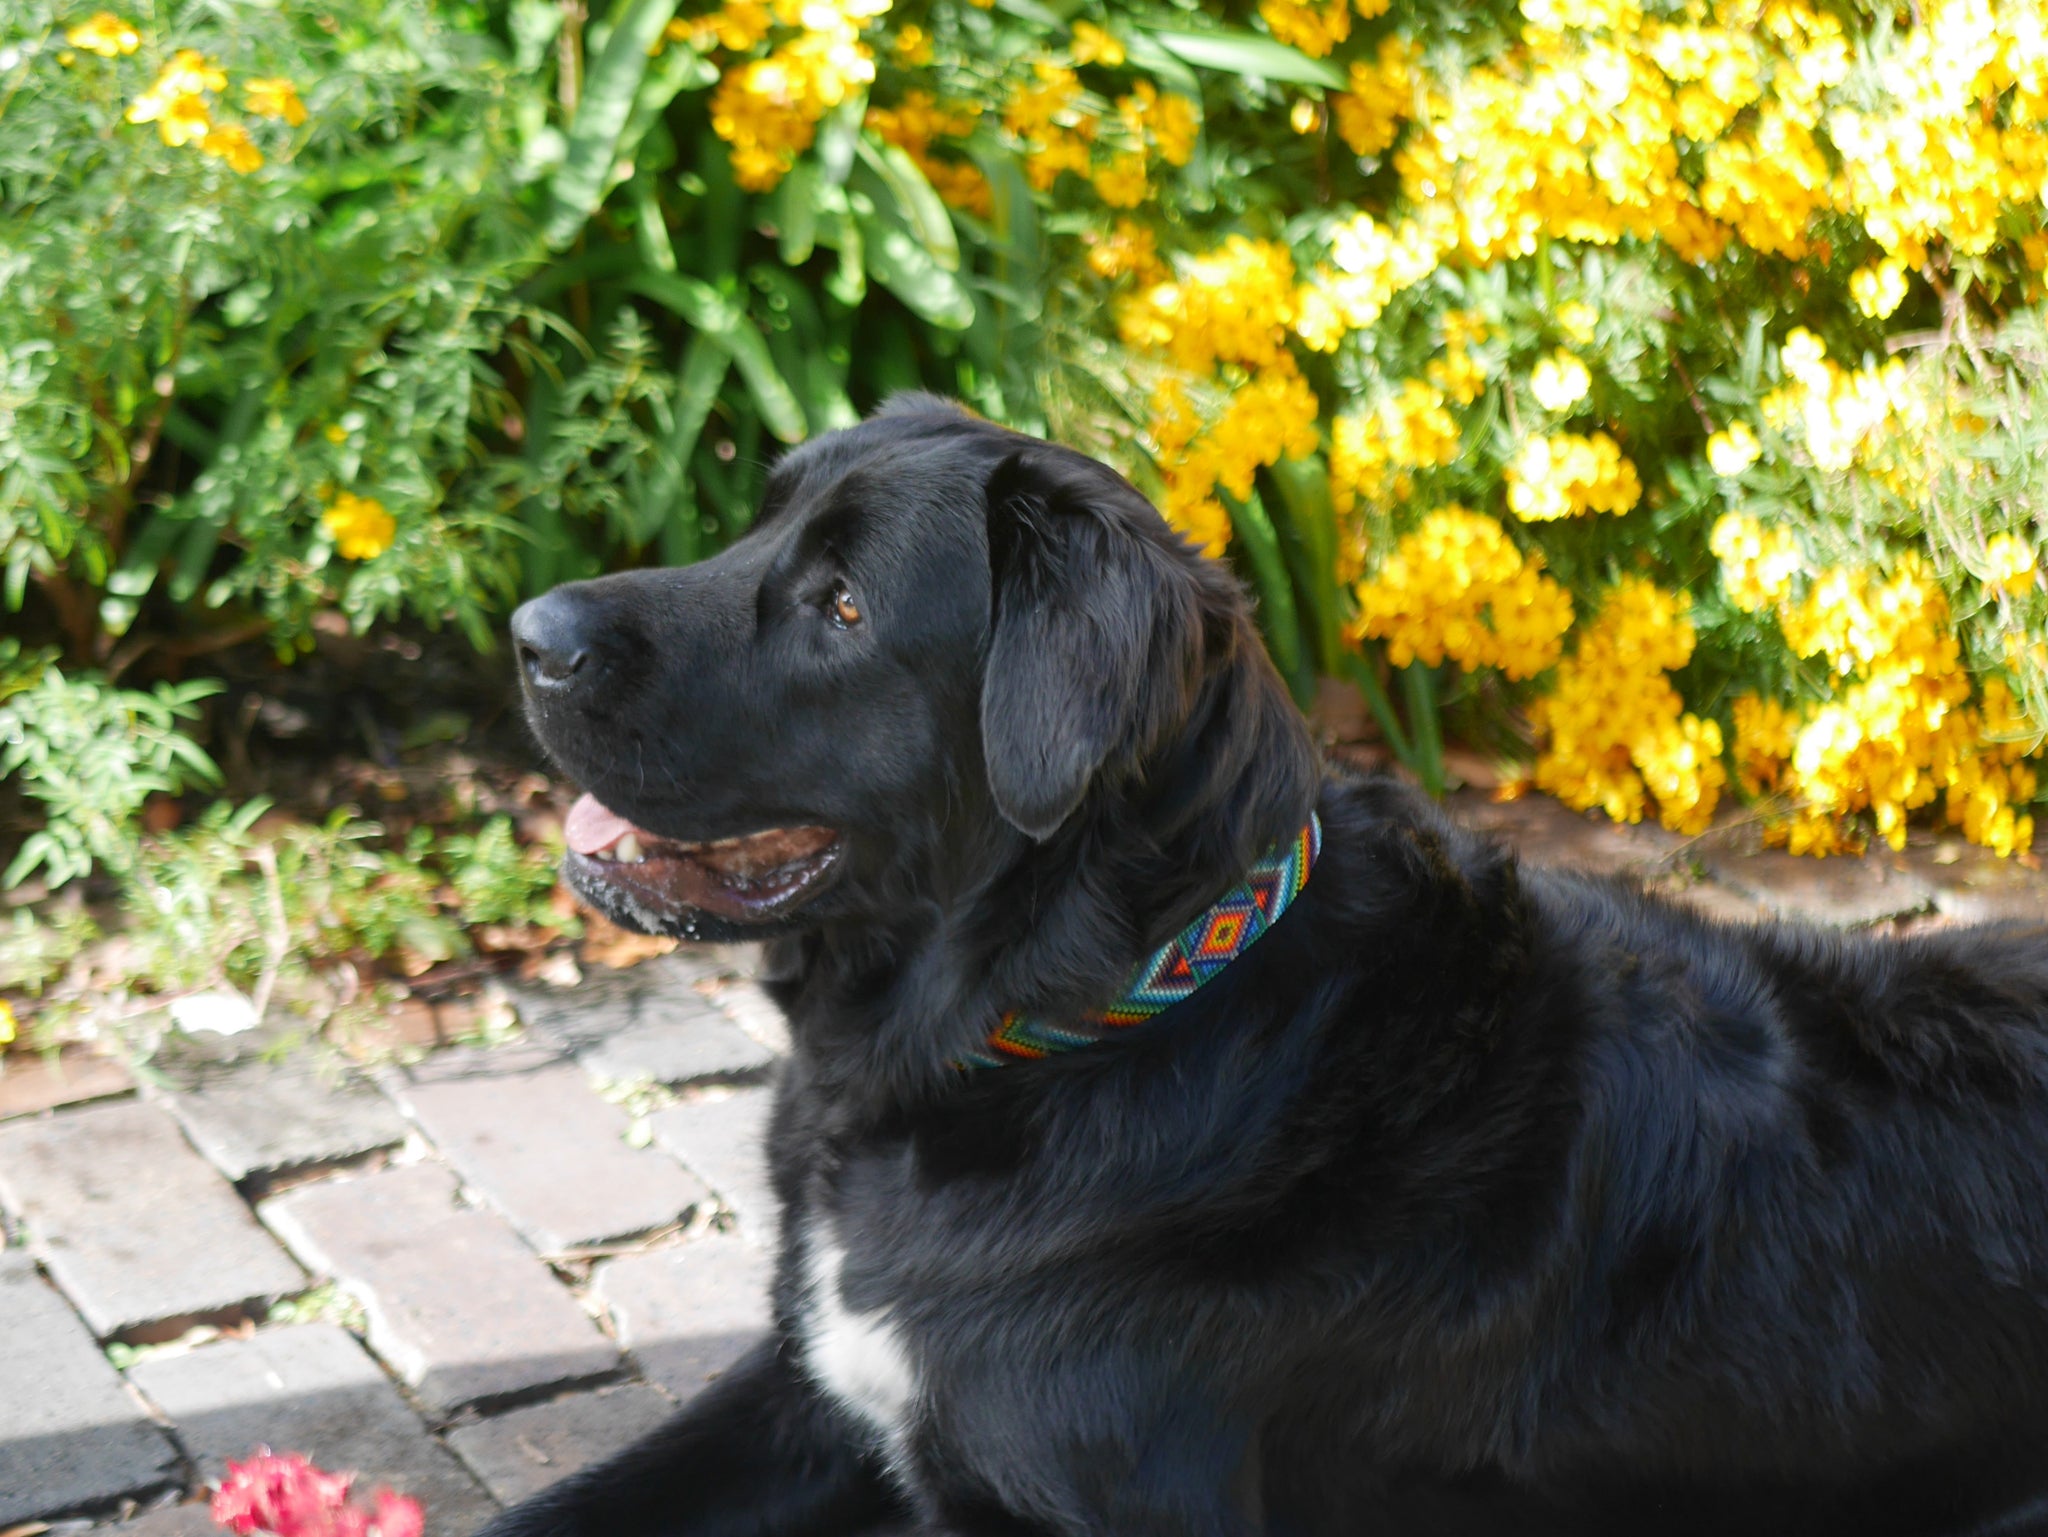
(180, 101)
(1458, 588)
(1371, 452)
(1898, 730)
(1270, 416)
(1618, 733)
(287, 1496)
(359, 525)
(915, 125)
(1564, 474)
(767, 106)
(1757, 565)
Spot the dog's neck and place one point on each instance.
(887, 1008)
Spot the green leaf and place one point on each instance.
(717, 316)
(608, 93)
(919, 207)
(796, 213)
(907, 270)
(1162, 66)
(1277, 616)
(1311, 522)
(1247, 53)
(703, 370)
(1033, 12)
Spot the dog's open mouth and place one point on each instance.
(749, 879)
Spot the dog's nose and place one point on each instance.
(552, 635)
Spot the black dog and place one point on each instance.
(1468, 1199)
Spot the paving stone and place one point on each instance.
(168, 1521)
(131, 1223)
(1841, 890)
(604, 1003)
(262, 1117)
(719, 1138)
(457, 1305)
(755, 1012)
(1973, 885)
(459, 1063)
(689, 1311)
(522, 1451)
(1714, 901)
(29, 1084)
(70, 1435)
(697, 1044)
(1545, 832)
(310, 1388)
(542, 1148)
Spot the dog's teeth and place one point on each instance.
(604, 854)
(627, 850)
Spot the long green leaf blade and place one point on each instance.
(608, 92)
(718, 317)
(1247, 53)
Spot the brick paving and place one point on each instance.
(528, 1253)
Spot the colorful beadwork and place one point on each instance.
(1194, 955)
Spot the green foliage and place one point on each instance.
(93, 755)
(497, 882)
(196, 361)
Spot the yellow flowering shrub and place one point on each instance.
(1680, 368)
(1458, 589)
(1617, 734)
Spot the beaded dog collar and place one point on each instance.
(1197, 953)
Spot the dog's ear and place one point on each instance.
(1090, 640)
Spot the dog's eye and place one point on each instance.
(845, 612)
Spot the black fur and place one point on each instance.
(1472, 1199)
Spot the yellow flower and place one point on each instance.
(1733, 449)
(1121, 183)
(176, 100)
(1615, 731)
(105, 34)
(2011, 560)
(7, 1022)
(359, 525)
(1381, 98)
(231, 142)
(768, 109)
(1127, 250)
(1092, 45)
(1559, 381)
(1458, 587)
(275, 96)
(1565, 474)
(1576, 320)
(1879, 288)
(1757, 568)
(1314, 29)
(913, 47)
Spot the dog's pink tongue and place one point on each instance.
(591, 826)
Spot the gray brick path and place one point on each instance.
(70, 1435)
(458, 1308)
(262, 1117)
(551, 1156)
(687, 1313)
(487, 1370)
(311, 1389)
(718, 1136)
(132, 1223)
(522, 1451)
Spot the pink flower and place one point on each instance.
(288, 1497)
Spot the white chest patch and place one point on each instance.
(858, 1358)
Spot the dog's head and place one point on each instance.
(941, 640)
